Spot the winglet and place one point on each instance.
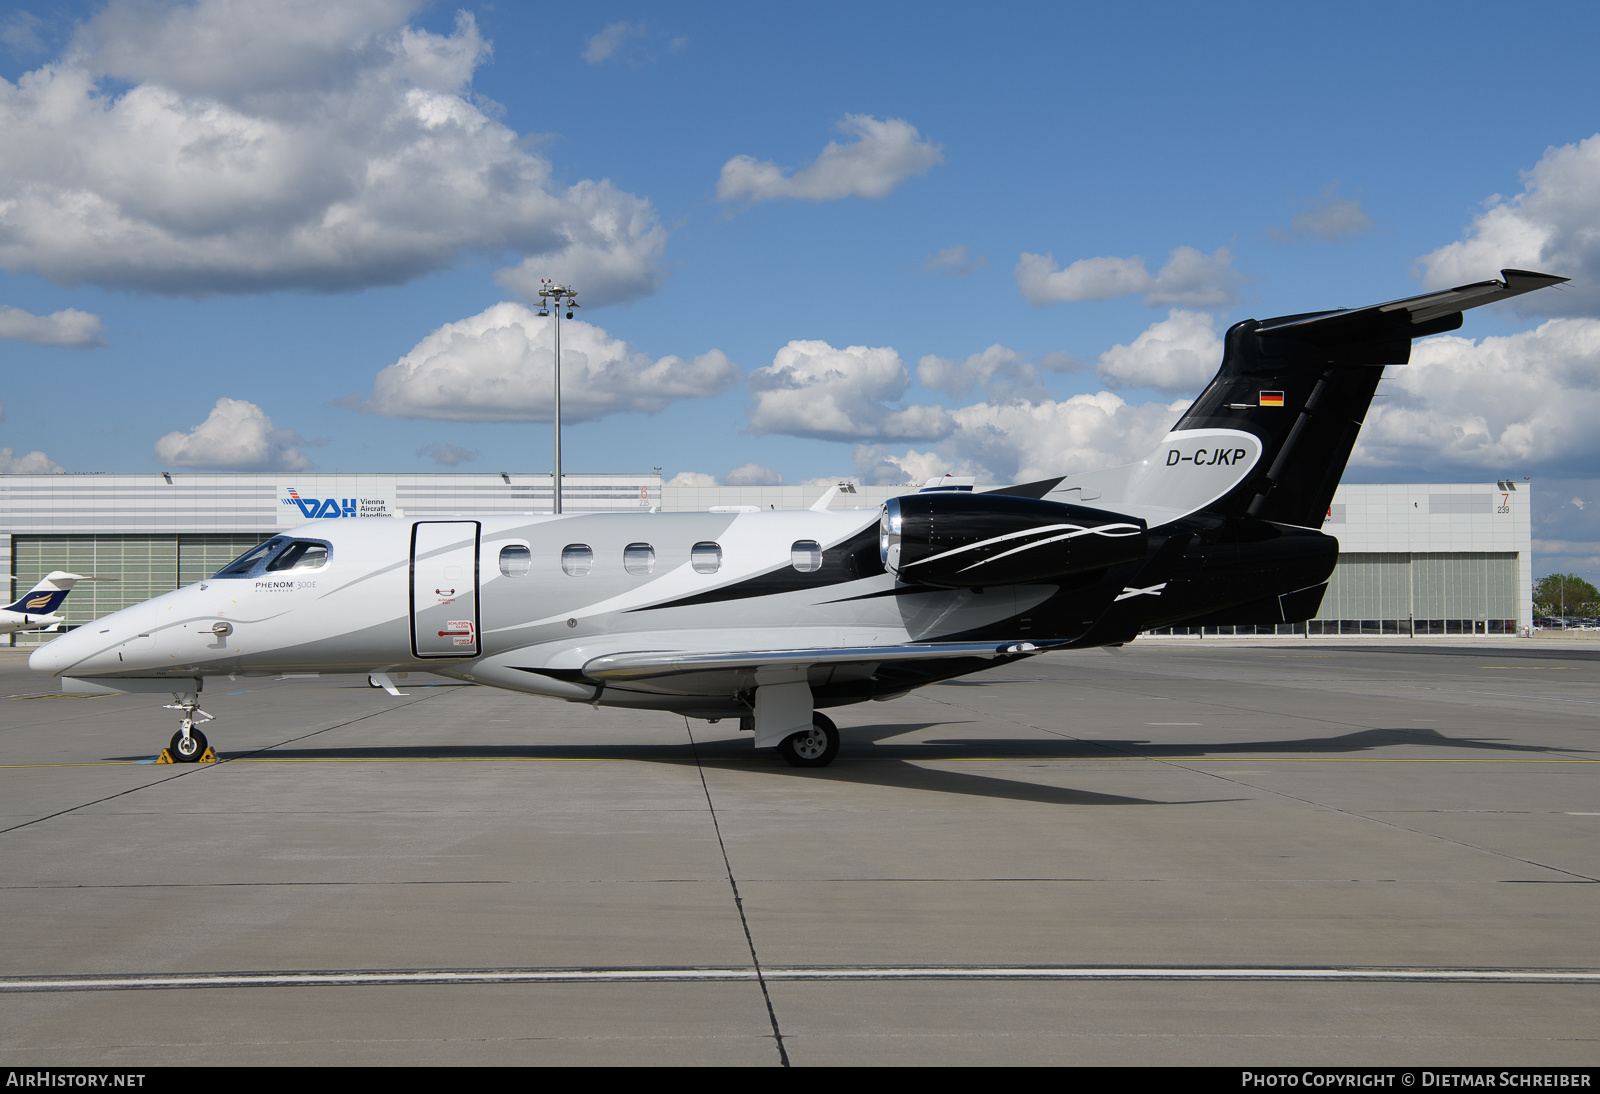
(843, 486)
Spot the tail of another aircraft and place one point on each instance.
(45, 597)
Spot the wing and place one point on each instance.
(1412, 317)
(646, 665)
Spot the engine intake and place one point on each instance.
(973, 540)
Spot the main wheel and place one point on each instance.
(814, 747)
(187, 751)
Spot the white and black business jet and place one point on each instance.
(772, 616)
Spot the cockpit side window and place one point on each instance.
(252, 559)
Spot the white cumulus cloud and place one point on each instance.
(999, 371)
(610, 251)
(955, 261)
(692, 479)
(812, 389)
(68, 327)
(600, 47)
(1180, 354)
(498, 366)
(1021, 442)
(752, 474)
(1328, 217)
(884, 154)
(448, 455)
(1505, 403)
(30, 463)
(1055, 437)
(634, 44)
(1189, 278)
(228, 146)
(20, 31)
(1015, 432)
(1553, 226)
(876, 465)
(236, 436)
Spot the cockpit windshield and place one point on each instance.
(277, 555)
(302, 554)
(253, 558)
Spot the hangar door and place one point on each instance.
(444, 588)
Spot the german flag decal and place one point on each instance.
(1272, 398)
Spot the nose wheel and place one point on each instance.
(814, 747)
(187, 749)
(188, 745)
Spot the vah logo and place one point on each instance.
(317, 508)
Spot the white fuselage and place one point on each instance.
(404, 594)
(11, 622)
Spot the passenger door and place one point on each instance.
(444, 588)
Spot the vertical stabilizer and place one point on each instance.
(1271, 434)
(45, 597)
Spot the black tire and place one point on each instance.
(814, 747)
(197, 744)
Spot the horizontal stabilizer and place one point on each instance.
(1408, 318)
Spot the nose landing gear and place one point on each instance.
(188, 745)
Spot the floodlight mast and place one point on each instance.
(563, 297)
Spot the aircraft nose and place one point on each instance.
(57, 655)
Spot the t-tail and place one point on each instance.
(1301, 385)
(1232, 500)
(44, 598)
(1271, 434)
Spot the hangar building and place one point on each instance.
(1414, 559)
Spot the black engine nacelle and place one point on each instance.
(973, 540)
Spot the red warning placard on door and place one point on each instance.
(458, 631)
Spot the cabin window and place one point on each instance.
(639, 559)
(577, 559)
(806, 555)
(706, 557)
(515, 560)
(300, 556)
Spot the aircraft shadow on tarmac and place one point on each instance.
(1526, 653)
(1088, 748)
(892, 764)
(736, 755)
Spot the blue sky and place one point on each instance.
(283, 236)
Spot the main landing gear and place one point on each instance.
(188, 745)
(814, 747)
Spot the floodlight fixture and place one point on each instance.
(556, 296)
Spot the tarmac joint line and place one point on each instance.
(794, 974)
